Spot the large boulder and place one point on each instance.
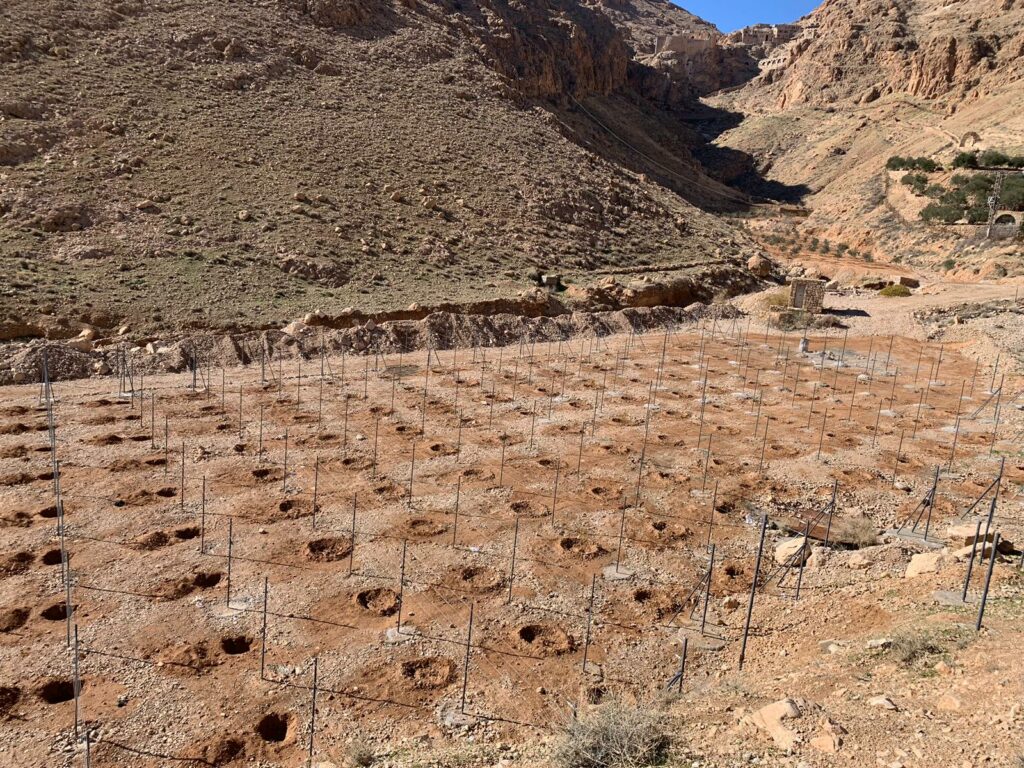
(760, 265)
(924, 563)
(789, 551)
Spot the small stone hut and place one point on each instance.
(808, 295)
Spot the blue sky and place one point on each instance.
(730, 15)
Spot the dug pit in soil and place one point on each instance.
(236, 645)
(17, 563)
(152, 541)
(52, 557)
(56, 612)
(274, 728)
(185, 586)
(10, 695)
(13, 618)
(329, 550)
(585, 550)
(380, 600)
(429, 673)
(58, 691)
(421, 528)
(545, 639)
(475, 578)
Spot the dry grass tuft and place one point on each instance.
(614, 735)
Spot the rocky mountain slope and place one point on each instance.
(203, 163)
(868, 79)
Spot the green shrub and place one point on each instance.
(926, 164)
(895, 291)
(977, 214)
(1012, 195)
(918, 182)
(966, 160)
(948, 264)
(939, 212)
(994, 158)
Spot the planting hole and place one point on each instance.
(58, 691)
(52, 557)
(56, 612)
(204, 580)
(235, 645)
(381, 601)
(9, 697)
(273, 728)
(13, 618)
(328, 550)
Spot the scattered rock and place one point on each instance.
(883, 702)
(769, 719)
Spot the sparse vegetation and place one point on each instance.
(614, 735)
(360, 755)
(895, 291)
(911, 648)
(776, 299)
(949, 264)
(908, 649)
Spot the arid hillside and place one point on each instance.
(208, 164)
(869, 79)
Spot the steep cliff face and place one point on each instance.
(867, 79)
(550, 49)
(861, 50)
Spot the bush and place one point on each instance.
(614, 735)
(1012, 196)
(895, 291)
(994, 158)
(946, 214)
(918, 182)
(948, 264)
(926, 164)
(977, 214)
(966, 160)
